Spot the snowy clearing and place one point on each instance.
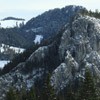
(3, 63)
(5, 48)
(38, 39)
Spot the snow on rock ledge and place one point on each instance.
(39, 53)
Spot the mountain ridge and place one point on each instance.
(64, 55)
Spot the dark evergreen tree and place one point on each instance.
(23, 92)
(31, 95)
(11, 95)
(48, 93)
(88, 90)
(70, 93)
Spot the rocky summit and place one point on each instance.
(74, 49)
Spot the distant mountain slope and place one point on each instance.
(45, 25)
(50, 22)
(37, 29)
(11, 36)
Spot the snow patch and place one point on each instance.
(80, 76)
(17, 50)
(3, 63)
(66, 11)
(38, 29)
(38, 39)
(6, 48)
(10, 23)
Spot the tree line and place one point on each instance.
(95, 13)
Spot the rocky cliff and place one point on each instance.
(66, 57)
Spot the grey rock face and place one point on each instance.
(81, 41)
(18, 79)
(39, 54)
(64, 72)
(82, 38)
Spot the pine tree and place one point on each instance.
(32, 94)
(70, 93)
(11, 94)
(49, 93)
(23, 93)
(88, 91)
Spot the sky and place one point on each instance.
(28, 9)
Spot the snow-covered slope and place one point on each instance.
(10, 23)
(7, 53)
(38, 39)
(3, 63)
(6, 49)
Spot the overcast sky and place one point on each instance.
(31, 8)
